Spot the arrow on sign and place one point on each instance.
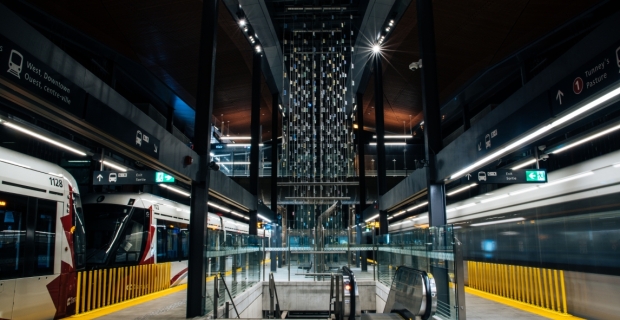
(468, 176)
(99, 177)
(532, 175)
(559, 96)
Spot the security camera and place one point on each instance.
(415, 65)
(542, 147)
(544, 157)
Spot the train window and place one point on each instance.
(119, 231)
(12, 235)
(44, 236)
(133, 239)
(172, 241)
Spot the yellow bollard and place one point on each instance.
(564, 307)
(103, 287)
(557, 291)
(77, 294)
(550, 290)
(89, 287)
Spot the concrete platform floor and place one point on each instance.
(173, 305)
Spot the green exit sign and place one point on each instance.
(163, 177)
(535, 176)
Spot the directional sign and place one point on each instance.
(130, 177)
(588, 79)
(535, 176)
(162, 177)
(506, 176)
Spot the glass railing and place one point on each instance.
(243, 260)
(430, 250)
(236, 260)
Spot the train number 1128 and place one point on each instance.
(56, 182)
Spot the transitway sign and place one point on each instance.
(130, 177)
(506, 176)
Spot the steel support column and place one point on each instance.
(432, 114)
(196, 284)
(432, 140)
(380, 126)
(255, 133)
(361, 166)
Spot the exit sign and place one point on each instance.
(535, 176)
(163, 177)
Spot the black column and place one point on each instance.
(380, 126)
(432, 114)
(432, 138)
(255, 132)
(196, 283)
(361, 161)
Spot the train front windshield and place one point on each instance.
(115, 234)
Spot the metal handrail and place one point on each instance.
(229, 295)
(273, 292)
(353, 284)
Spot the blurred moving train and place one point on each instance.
(572, 223)
(46, 236)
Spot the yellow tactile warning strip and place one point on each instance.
(129, 303)
(521, 306)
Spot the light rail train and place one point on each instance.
(42, 239)
(128, 229)
(46, 236)
(572, 223)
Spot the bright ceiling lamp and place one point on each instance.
(185, 193)
(524, 164)
(242, 145)
(376, 48)
(41, 137)
(372, 218)
(238, 162)
(390, 144)
(260, 216)
(417, 206)
(239, 138)
(461, 189)
(592, 137)
(219, 207)
(395, 136)
(496, 222)
(114, 166)
(519, 143)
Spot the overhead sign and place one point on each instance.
(130, 177)
(587, 80)
(506, 176)
(120, 127)
(20, 67)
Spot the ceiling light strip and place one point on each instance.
(520, 142)
(43, 138)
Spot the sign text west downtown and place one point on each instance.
(37, 77)
(40, 79)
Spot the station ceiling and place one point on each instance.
(163, 36)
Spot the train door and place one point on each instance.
(30, 265)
